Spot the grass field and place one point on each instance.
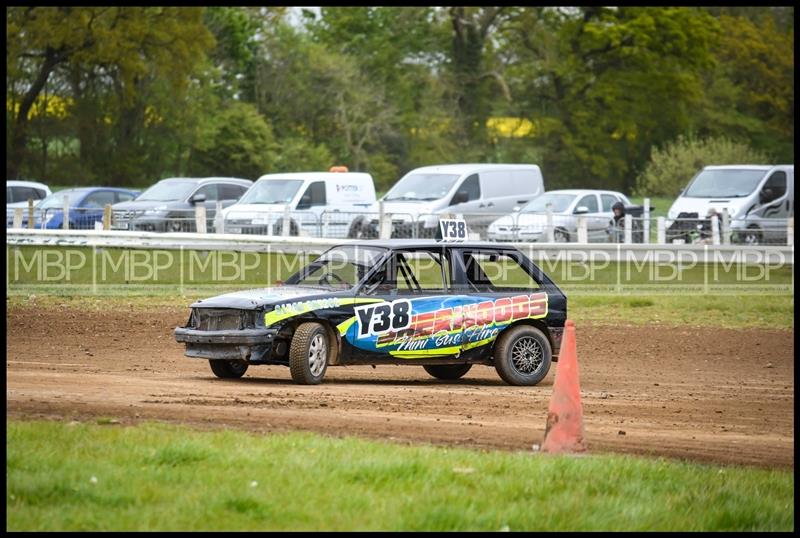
(157, 477)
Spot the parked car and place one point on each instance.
(320, 204)
(530, 223)
(758, 200)
(389, 302)
(86, 207)
(18, 192)
(169, 205)
(479, 192)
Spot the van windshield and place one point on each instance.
(724, 183)
(421, 187)
(272, 191)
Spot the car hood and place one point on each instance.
(701, 206)
(140, 206)
(404, 209)
(258, 298)
(251, 210)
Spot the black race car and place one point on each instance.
(443, 306)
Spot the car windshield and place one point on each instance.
(56, 200)
(729, 183)
(272, 191)
(167, 191)
(421, 187)
(341, 267)
(558, 203)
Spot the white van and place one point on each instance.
(479, 192)
(319, 204)
(758, 198)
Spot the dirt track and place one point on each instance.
(711, 395)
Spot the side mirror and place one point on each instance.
(580, 210)
(766, 195)
(305, 202)
(198, 198)
(459, 197)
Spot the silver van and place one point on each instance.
(759, 200)
(479, 192)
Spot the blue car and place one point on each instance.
(85, 207)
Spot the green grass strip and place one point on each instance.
(163, 477)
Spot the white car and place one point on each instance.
(530, 222)
(18, 193)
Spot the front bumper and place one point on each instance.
(231, 336)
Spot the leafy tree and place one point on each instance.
(237, 142)
(123, 48)
(670, 168)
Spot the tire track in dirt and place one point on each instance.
(704, 394)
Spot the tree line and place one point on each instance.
(129, 95)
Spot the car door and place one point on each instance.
(90, 210)
(497, 291)
(211, 192)
(775, 206)
(595, 225)
(417, 316)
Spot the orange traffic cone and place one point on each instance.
(564, 431)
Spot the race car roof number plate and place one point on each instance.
(452, 230)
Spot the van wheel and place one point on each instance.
(522, 355)
(561, 235)
(308, 353)
(228, 369)
(752, 236)
(360, 229)
(277, 229)
(447, 371)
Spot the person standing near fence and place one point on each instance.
(616, 226)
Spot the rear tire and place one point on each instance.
(447, 371)
(308, 353)
(522, 355)
(228, 369)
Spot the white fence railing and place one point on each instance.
(610, 252)
(519, 227)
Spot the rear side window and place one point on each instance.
(497, 272)
(99, 199)
(608, 202)
(23, 194)
(589, 201)
(314, 196)
(231, 192)
(124, 197)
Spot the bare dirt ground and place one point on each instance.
(703, 394)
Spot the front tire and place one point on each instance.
(523, 355)
(560, 235)
(228, 369)
(752, 236)
(447, 371)
(308, 354)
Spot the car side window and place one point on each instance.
(314, 196)
(124, 197)
(497, 272)
(410, 272)
(231, 192)
(589, 201)
(775, 187)
(608, 202)
(209, 190)
(99, 199)
(472, 187)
